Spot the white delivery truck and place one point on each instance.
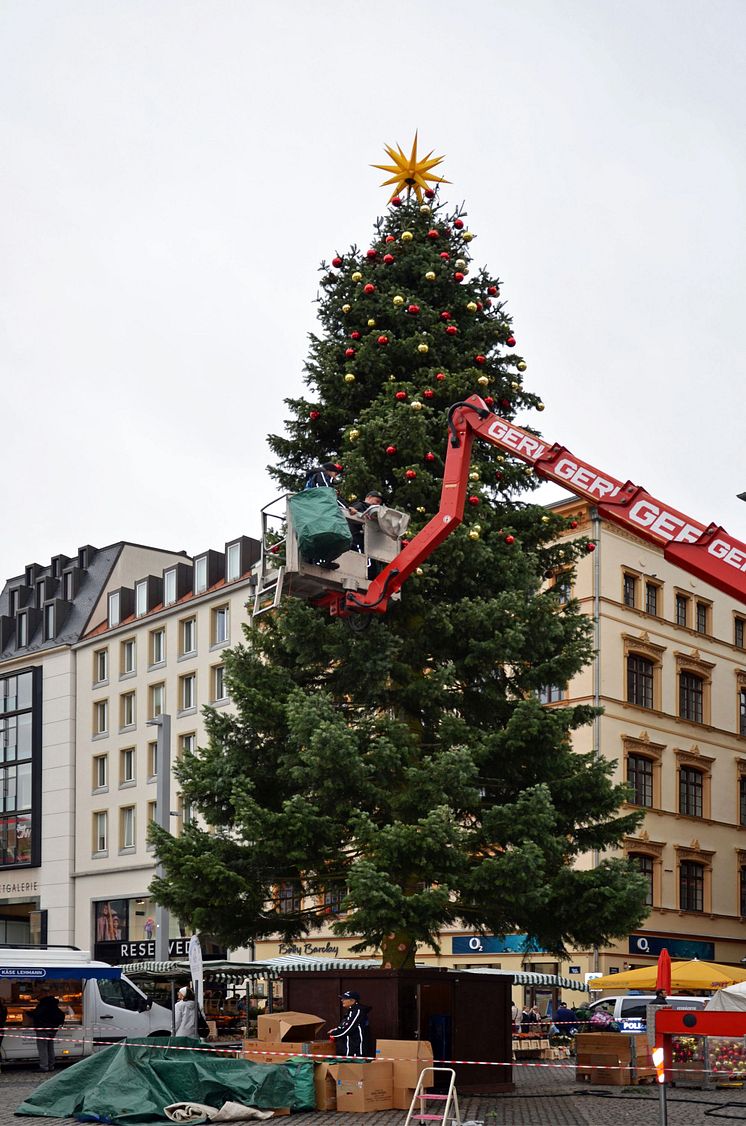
(100, 1004)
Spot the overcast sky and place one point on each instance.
(173, 171)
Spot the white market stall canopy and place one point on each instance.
(528, 977)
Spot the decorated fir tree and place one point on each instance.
(406, 777)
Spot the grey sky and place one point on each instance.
(174, 172)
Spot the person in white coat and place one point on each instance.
(186, 1017)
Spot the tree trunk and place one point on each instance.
(398, 950)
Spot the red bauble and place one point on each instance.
(413, 309)
(388, 259)
(510, 342)
(510, 539)
(474, 501)
(429, 193)
(492, 290)
(590, 547)
(410, 474)
(391, 450)
(401, 396)
(480, 306)
(451, 330)
(498, 474)
(440, 376)
(458, 276)
(371, 253)
(428, 393)
(369, 288)
(349, 353)
(396, 201)
(489, 401)
(313, 415)
(573, 523)
(505, 404)
(458, 224)
(390, 238)
(355, 335)
(336, 262)
(433, 234)
(445, 315)
(445, 255)
(480, 359)
(488, 303)
(383, 339)
(429, 457)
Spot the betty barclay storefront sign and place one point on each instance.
(19, 887)
(308, 949)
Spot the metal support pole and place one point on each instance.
(162, 818)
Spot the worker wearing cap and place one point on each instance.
(350, 1035)
(324, 477)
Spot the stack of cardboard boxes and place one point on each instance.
(385, 1083)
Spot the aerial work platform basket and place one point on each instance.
(283, 570)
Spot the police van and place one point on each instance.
(629, 1011)
(100, 1004)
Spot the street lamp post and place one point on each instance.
(162, 818)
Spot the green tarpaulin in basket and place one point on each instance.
(322, 531)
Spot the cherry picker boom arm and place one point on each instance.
(706, 551)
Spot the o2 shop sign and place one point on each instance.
(651, 945)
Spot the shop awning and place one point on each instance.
(527, 977)
(61, 973)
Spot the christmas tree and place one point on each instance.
(394, 780)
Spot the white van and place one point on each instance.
(101, 1005)
(630, 1009)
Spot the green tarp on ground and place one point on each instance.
(131, 1083)
(322, 531)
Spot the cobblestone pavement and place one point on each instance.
(543, 1097)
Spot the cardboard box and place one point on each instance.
(402, 1098)
(261, 1050)
(325, 1086)
(409, 1058)
(288, 1026)
(363, 1086)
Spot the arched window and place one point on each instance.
(640, 674)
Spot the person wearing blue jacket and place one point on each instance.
(351, 1034)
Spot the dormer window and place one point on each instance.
(200, 574)
(14, 602)
(22, 629)
(233, 562)
(169, 587)
(49, 622)
(141, 598)
(114, 609)
(67, 586)
(40, 591)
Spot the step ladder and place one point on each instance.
(451, 1115)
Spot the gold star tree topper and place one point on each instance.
(410, 173)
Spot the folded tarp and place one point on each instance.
(132, 1083)
(322, 531)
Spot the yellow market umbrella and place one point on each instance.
(684, 975)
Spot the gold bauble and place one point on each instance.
(430, 275)
(357, 276)
(540, 406)
(473, 534)
(484, 381)
(515, 386)
(545, 519)
(346, 308)
(472, 306)
(352, 497)
(398, 300)
(425, 209)
(460, 263)
(418, 570)
(423, 348)
(416, 405)
(392, 379)
(349, 378)
(467, 236)
(521, 365)
(474, 475)
(372, 322)
(354, 435)
(421, 508)
(407, 236)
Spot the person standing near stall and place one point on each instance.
(351, 1034)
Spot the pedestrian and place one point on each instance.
(323, 476)
(47, 1018)
(564, 1018)
(351, 1034)
(186, 1015)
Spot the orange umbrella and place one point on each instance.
(663, 979)
(684, 975)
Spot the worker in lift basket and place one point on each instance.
(351, 1035)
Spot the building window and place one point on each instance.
(49, 622)
(114, 608)
(639, 681)
(691, 697)
(691, 886)
(289, 897)
(551, 694)
(646, 864)
(651, 599)
(188, 743)
(742, 711)
(220, 625)
(188, 636)
(127, 656)
(157, 646)
(22, 629)
(100, 832)
(742, 800)
(738, 632)
(200, 574)
(640, 779)
(14, 602)
(682, 610)
(128, 715)
(67, 588)
(169, 587)
(742, 889)
(219, 691)
(127, 766)
(141, 598)
(100, 772)
(127, 827)
(703, 617)
(186, 812)
(691, 791)
(630, 590)
(152, 811)
(188, 691)
(16, 770)
(333, 897)
(101, 717)
(100, 666)
(233, 562)
(157, 702)
(563, 587)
